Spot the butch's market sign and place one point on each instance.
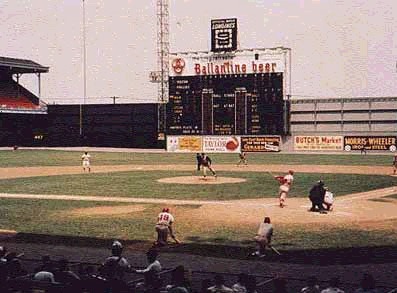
(318, 143)
(370, 143)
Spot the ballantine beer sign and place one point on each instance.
(231, 68)
(256, 61)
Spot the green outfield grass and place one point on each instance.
(144, 184)
(51, 218)
(28, 158)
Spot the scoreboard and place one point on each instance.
(225, 95)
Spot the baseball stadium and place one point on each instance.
(213, 152)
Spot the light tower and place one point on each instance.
(163, 48)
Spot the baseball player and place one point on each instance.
(289, 177)
(285, 186)
(164, 226)
(394, 164)
(263, 237)
(198, 159)
(86, 161)
(206, 164)
(328, 199)
(242, 159)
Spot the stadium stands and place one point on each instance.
(68, 276)
(15, 96)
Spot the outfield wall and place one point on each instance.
(105, 125)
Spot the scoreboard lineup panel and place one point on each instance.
(245, 104)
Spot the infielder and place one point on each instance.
(206, 164)
(394, 164)
(164, 226)
(242, 159)
(86, 161)
(263, 237)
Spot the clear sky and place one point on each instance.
(340, 48)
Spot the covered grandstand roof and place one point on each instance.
(14, 65)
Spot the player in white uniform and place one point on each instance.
(86, 161)
(328, 199)
(285, 186)
(289, 177)
(164, 226)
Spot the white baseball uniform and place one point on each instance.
(86, 160)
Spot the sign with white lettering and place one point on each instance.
(223, 35)
(260, 143)
(370, 143)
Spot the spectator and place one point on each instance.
(205, 284)
(14, 266)
(115, 266)
(65, 276)
(333, 286)
(219, 286)
(280, 285)
(312, 286)
(46, 266)
(43, 276)
(151, 273)
(240, 286)
(178, 280)
(367, 285)
(3, 252)
(251, 284)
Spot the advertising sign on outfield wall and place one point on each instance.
(184, 144)
(260, 143)
(318, 143)
(221, 144)
(371, 143)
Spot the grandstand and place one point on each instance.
(13, 96)
(21, 111)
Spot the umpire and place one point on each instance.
(316, 196)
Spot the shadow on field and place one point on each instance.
(340, 256)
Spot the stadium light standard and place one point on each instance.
(84, 72)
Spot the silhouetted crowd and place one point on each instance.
(112, 276)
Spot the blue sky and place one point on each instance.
(339, 48)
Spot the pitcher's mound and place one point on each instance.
(201, 180)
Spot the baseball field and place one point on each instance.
(46, 192)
